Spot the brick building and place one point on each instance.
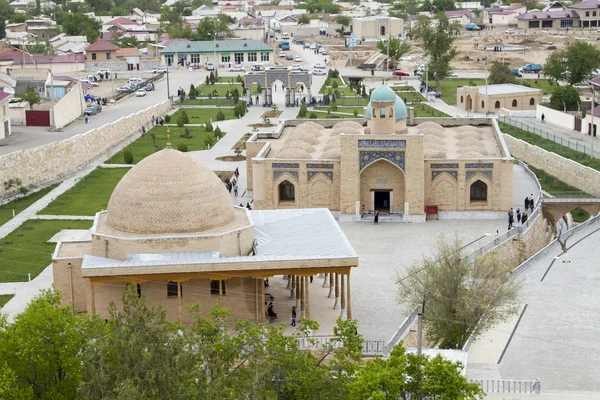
(492, 98)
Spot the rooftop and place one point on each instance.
(505, 88)
(225, 46)
(101, 45)
(586, 4)
(548, 14)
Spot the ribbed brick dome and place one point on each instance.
(169, 192)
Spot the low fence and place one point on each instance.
(370, 347)
(123, 94)
(509, 386)
(572, 144)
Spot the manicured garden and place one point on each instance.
(348, 110)
(325, 115)
(89, 195)
(18, 205)
(423, 110)
(219, 90)
(550, 145)
(156, 139)
(5, 298)
(205, 101)
(203, 115)
(26, 250)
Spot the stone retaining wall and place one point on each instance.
(568, 171)
(56, 160)
(120, 66)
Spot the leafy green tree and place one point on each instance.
(462, 298)
(302, 111)
(344, 21)
(555, 66)
(10, 389)
(2, 29)
(30, 96)
(393, 46)
(501, 73)
(444, 5)
(304, 19)
(582, 59)
(438, 44)
(79, 24)
(404, 8)
(565, 97)
(409, 376)
(6, 11)
(41, 348)
(19, 18)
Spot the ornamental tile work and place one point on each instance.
(277, 174)
(444, 166)
(479, 165)
(285, 165)
(388, 144)
(328, 166)
(369, 156)
(312, 174)
(487, 174)
(435, 174)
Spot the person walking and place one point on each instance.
(510, 219)
(518, 215)
(235, 190)
(293, 316)
(531, 203)
(376, 218)
(543, 117)
(526, 203)
(86, 117)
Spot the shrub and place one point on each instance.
(302, 112)
(218, 132)
(313, 115)
(212, 78)
(220, 116)
(167, 118)
(207, 81)
(180, 120)
(186, 119)
(209, 127)
(208, 141)
(23, 189)
(128, 156)
(334, 84)
(186, 134)
(355, 113)
(182, 147)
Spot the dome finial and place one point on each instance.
(168, 137)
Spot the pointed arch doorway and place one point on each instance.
(382, 188)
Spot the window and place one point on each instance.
(252, 57)
(93, 56)
(462, 100)
(497, 104)
(225, 58)
(238, 58)
(482, 104)
(391, 112)
(587, 13)
(374, 114)
(478, 191)
(534, 24)
(138, 287)
(264, 56)
(514, 103)
(195, 58)
(382, 113)
(382, 31)
(172, 289)
(287, 191)
(532, 102)
(169, 59)
(108, 56)
(214, 287)
(593, 13)
(567, 23)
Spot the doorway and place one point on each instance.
(382, 201)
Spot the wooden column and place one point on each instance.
(349, 297)
(221, 293)
(330, 285)
(261, 296)
(256, 294)
(307, 298)
(297, 287)
(302, 296)
(179, 302)
(293, 285)
(343, 295)
(93, 295)
(337, 290)
(325, 280)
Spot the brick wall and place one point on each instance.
(568, 171)
(53, 161)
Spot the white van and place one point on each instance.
(210, 66)
(135, 81)
(285, 35)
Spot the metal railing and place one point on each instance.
(572, 144)
(574, 199)
(567, 195)
(123, 94)
(509, 386)
(370, 347)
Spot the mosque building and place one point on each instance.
(171, 230)
(397, 165)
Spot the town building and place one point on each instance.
(548, 19)
(219, 52)
(589, 13)
(493, 98)
(503, 16)
(38, 80)
(397, 165)
(5, 128)
(101, 51)
(171, 230)
(377, 27)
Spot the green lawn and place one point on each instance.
(144, 146)
(221, 90)
(203, 115)
(351, 101)
(26, 250)
(4, 298)
(411, 97)
(228, 78)
(339, 91)
(423, 110)
(349, 110)
(89, 195)
(22, 203)
(550, 145)
(324, 115)
(205, 101)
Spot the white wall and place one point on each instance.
(69, 108)
(556, 117)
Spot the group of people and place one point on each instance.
(157, 120)
(520, 217)
(231, 184)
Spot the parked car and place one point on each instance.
(319, 72)
(452, 74)
(298, 59)
(320, 66)
(149, 87)
(295, 67)
(210, 66)
(282, 55)
(236, 68)
(160, 70)
(313, 46)
(140, 93)
(510, 31)
(90, 111)
(322, 51)
(307, 45)
(289, 57)
(126, 88)
(103, 71)
(85, 80)
(400, 73)
(434, 94)
(135, 81)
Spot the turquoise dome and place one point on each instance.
(383, 93)
(368, 111)
(401, 112)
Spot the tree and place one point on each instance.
(344, 21)
(2, 29)
(501, 73)
(444, 5)
(404, 8)
(395, 47)
(582, 59)
(41, 348)
(30, 96)
(409, 376)
(438, 44)
(79, 24)
(565, 98)
(302, 112)
(304, 19)
(462, 298)
(555, 66)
